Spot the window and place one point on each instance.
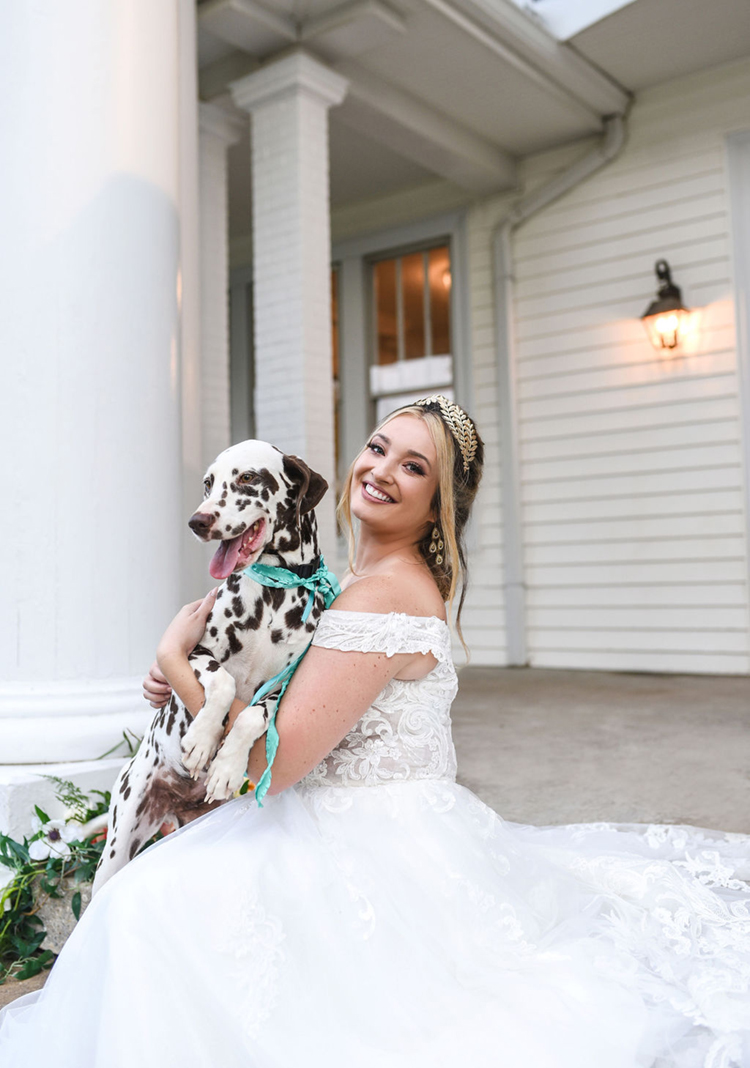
(411, 315)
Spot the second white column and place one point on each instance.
(289, 101)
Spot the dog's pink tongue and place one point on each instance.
(225, 558)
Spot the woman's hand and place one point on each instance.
(156, 689)
(186, 630)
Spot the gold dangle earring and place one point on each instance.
(436, 545)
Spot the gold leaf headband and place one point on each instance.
(459, 424)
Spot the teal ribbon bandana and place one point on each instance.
(323, 581)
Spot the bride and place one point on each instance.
(373, 913)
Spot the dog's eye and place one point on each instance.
(207, 484)
(246, 476)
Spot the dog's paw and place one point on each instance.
(225, 776)
(198, 747)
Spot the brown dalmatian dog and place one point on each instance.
(258, 505)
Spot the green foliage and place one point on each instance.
(130, 740)
(81, 807)
(34, 880)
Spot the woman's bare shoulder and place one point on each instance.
(405, 588)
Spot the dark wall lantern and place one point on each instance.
(666, 317)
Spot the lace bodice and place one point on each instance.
(406, 733)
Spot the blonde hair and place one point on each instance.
(454, 496)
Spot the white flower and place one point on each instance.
(54, 840)
(7, 875)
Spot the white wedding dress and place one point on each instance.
(378, 915)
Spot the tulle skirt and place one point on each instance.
(403, 926)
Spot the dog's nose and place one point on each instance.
(201, 523)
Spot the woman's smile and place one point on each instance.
(372, 493)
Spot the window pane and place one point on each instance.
(412, 287)
(440, 300)
(384, 274)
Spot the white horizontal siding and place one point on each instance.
(632, 528)
(702, 594)
(664, 413)
(643, 486)
(646, 659)
(631, 464)
(717, 568)
(639, 619)
(677, 436)
(639, 506)
(638, 241)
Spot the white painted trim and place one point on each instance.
(354, 315)
(297, 72)
(237, 22)
(514, 578)
(215, 120)
(339, 28)
(352, 358)
(463, 381)
(537, 72)
(530, 38)
(738, 167)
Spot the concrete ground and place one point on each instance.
(545, 746)
(11, 990)
(542, 746)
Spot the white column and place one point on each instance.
(289, 101)
(218, 130)
(195, 577)
(90, 569)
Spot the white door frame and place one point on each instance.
(354, 311)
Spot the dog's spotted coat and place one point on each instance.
(258, 503)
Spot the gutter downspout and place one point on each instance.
(502, 258)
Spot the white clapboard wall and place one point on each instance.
(631, 464)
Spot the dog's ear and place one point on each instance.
(312, 486)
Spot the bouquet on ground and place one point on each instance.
(56, 862)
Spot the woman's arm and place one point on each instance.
(329, 692)
(331, 689)
(178, 641)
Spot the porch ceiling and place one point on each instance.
(360, 168)
(458, 89)
(645, 43)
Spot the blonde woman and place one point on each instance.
(374, 914)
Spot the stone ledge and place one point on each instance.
(22, 787)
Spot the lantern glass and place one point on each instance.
(667, 329)
(666, 318)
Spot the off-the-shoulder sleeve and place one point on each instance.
(389, 633)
